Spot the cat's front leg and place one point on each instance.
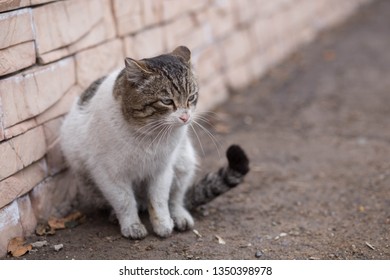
(158, 196)
(121, 197)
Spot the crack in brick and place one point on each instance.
(16, 153)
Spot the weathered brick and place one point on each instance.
(261, 33)
(176, 8)
(15, 28)
(55, 28)
(17, 57)
(146, 44)
(61, 107)
(236, 47)
(221, 18)
(54, 196)
(19, 152)
(102, 31)
(128, 15)
(2, 135)
(10, 225)
(151, 12)
(19, 128)
(98, 61)
(245, 10)
(36, 2)
(176, 30)
(238, 76)
(208, 63)
(30, 93)
(211, 94)
(28, 220)
(13, 4)
(54, 156)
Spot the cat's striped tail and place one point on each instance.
(215, 184)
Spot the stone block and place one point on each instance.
(102, 31)
(54, 156)
(208, 63)
(245, 11)
(212, 93)
(146, 44)
(221, 18)
(17, 57)
(96, 62)
(26, 214)
(10, 225)
(2, 135)
(175, 31)
(239, 76)
(61, 107)
(55, 28)
(54, 196)
(176, 8)
(135, 15)
(30, 93)
(128, 16)
(151, 12)
(16, 28)
(13, 4)
(37, 2)
(19, 128)
(236, 47)
(19, 152)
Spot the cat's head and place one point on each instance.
(160, 88)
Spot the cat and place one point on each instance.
(127, 137)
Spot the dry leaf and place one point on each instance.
(17, 247)
(69, 221)
(44, 229)
(220, 240)
(56, 223)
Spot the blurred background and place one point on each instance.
(50, 51)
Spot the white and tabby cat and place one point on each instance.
(127, 137)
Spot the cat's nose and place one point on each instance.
(184, 117)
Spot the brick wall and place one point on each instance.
(51, 50)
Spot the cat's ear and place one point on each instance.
(136, 69)
(183, 52)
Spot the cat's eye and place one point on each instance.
(167, 101)
(192, 98)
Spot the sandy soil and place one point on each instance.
(317, 131)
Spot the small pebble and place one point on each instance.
(258, 254)
(39, 244)
(58, 247)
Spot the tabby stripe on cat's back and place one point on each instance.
(87, 95)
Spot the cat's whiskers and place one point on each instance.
(209, 114)
(211, 136)
(197, 136)
(148, 127)
(148, 130)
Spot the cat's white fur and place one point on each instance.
(131, 172)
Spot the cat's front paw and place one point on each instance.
(163, 228)
(183, 220)
(134, 231)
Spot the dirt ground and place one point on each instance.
(317, 131)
